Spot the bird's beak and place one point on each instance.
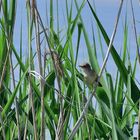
(81, 66)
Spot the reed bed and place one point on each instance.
(44, 95)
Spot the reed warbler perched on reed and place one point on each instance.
(90, 75)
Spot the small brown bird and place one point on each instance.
(90, 75)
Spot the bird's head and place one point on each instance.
(85, 66)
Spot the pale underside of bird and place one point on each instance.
(90, 75)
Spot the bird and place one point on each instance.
(90, 75)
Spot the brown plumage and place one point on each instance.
(90, 75)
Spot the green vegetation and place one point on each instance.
(49, 96)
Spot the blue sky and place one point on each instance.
(106, 11)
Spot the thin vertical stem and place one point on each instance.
(38, 47)
(31, 99)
